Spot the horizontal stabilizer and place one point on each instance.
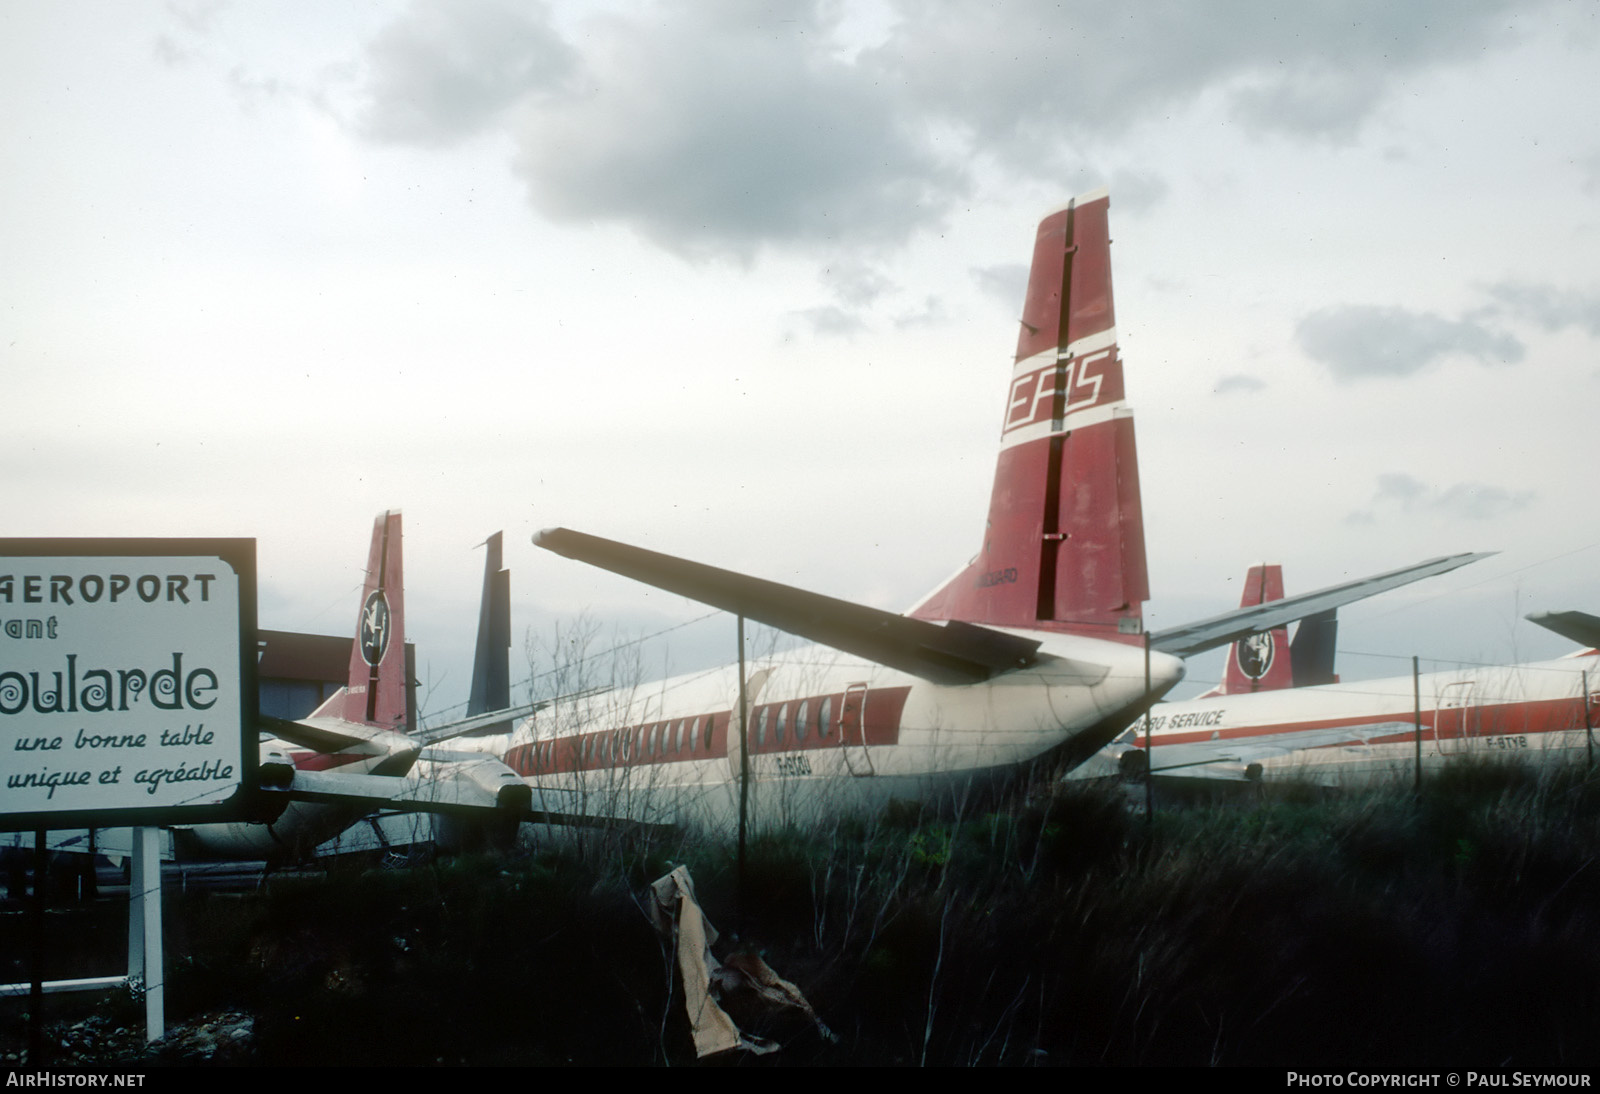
(1581, 627)
(321, 734)
(954, 653)
(1210, 633)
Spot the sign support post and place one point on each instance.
(145, 964)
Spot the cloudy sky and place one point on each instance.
(739, 281)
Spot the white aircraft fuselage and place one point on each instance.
(826, 732)
(1361, 732)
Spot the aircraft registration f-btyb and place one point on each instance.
(1036, 646)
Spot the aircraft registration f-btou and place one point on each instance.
(1035, 647)
(1363, 732)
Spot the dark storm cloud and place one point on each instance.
(717, 128)
(442, 73)
(1030, 78)
(1361, 341)
(1551, 308)
(1403, 493)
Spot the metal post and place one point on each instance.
(1416, 696)
(144, 929)
(1588, 725)
(36, 958)
(744, 772)
(1149, 741)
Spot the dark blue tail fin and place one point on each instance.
(491, 664)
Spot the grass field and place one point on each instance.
(1458, 929)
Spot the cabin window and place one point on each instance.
(825, 718)
(655, 739)
(782, 723)
(710, 722)
(800, 720)
(761, 727)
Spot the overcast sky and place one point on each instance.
(739, 281)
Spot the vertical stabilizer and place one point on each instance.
(1259, 662)
(491, 664)
(1312, 651)
(376, 691)
(1063, 548)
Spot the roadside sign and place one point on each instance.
(127, 681)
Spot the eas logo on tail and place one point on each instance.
(1254, 654)
(374, 628)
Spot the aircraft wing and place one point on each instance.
(1228, 760)
(475, 722)
(334, 734)
(318, 734)
(1193, 759)
(1228, 627)
(952, 653)
(445, 791)
(458, 783)
(1581, 627)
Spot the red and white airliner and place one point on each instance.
(1033, 648)
(1362, 732)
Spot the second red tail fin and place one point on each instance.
(375, 693)
(1259, 662)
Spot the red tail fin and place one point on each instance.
(376, 691)
(1260, 662)
(1063, 548)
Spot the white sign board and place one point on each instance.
(127, 684)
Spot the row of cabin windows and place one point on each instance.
(692, 736)
(685, 736)
(804, 717)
